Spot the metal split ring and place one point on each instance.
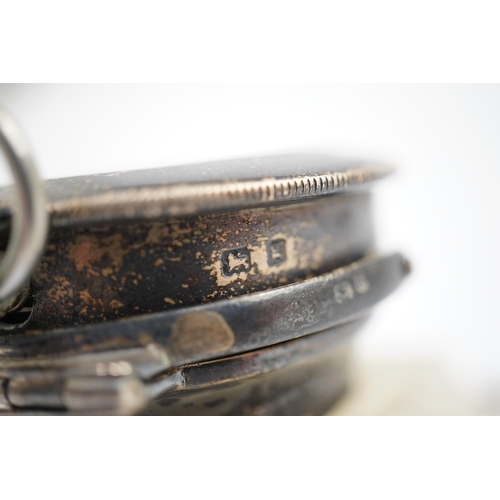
(29, 222)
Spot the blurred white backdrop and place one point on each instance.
(440, 208)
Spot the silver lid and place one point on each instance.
(200, 188)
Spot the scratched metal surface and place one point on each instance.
(230, 326)
(199, 188)
(300, 377)
(100, 273)
(132, 255)
(219, 276)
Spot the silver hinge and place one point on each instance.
(116, 382)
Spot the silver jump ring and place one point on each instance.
(29, 223)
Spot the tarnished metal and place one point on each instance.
(200, 188)
(113, 382)
(99, 273)
(223, 288)
(230, 326)
(302, 376)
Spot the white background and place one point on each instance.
(440, 208)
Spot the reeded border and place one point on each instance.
(188, 199)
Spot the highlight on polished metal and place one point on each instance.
(29, 221)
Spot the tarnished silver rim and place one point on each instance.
(189, 199)
(165, 196)
(29, 214)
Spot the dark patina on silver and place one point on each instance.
(222, 288)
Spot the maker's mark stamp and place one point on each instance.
(235, 261)
(347, 290)
(276, 252)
